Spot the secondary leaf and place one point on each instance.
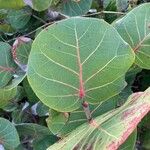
(38, 5)
(76, 59)
(21, 50)
(8, 135)
(74, 7)
(40, 135)
(7, 65)
(110, 130)
(136, 32)
(9, 92)
(19, 18)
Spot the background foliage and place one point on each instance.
(39, 85)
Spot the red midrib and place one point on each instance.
(81, 86)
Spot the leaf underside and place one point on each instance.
(70, 68)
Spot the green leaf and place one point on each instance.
(44, 143)
(3, 13)
(70, 69)
(110, 130)
(120, 5)
(74, 7)
(8, 135)
(135, 30)
(42, 110)
(129, 144)
(37, 132)
(21, 50)
(4, 4)
(10, 91)
(6, 28)
(38, 5)
(32, 98)
(13, 104)
(56, 121)
(7, 65)
(32, 129)
(19, 18)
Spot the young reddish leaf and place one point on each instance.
(20, 51)
(78, 59)
(108, 131)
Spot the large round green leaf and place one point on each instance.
(8, 135)
(76, 59)
(7, 65)
(135, 30)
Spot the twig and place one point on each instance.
(87, 111)
(104, 12)
(38, 18)
(32, 31)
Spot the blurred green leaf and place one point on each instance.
(8, 135)
(19, 18)
(15, 4)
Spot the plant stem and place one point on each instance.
(87, 110)
(104, 12)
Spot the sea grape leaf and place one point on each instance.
(8, 135)
(134, 28)
(6, 95)
(7, 65)
(129, 144)
(21, 50)
(13, 104)
(120, 5)
(4, 4)
(31, 129)
(38, 134)
(73, 7)
(44, 142)
(19, 18)
(69, 68)
(9, 92)
(56, 121)
(42, 110)
(110, 130)
(38, 5)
